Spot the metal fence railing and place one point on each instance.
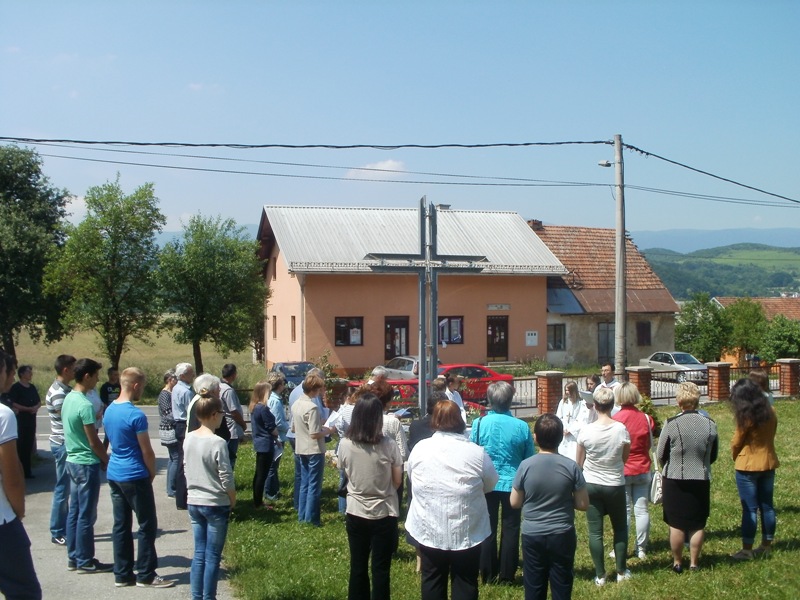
(773, 372)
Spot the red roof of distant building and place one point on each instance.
(788, 307)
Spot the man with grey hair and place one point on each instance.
(297, 392)
(378, 375)
(508, 441)
(182, 395)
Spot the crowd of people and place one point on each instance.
(475, 495)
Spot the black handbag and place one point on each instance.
(342, 491)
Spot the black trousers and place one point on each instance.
(263, 463)
(460, 567)
(502, 566)
(370, 537)
(26, 441)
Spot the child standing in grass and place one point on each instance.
(211, 491)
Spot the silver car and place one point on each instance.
(403, 367)
(678, 366)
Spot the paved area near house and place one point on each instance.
(174, 545)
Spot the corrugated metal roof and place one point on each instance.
(334, 239)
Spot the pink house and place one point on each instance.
(326, 295)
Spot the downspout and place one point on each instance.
(301, 279)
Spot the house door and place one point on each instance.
(396, 337)
(496, 338)
(605, 343)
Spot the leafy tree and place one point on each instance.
(212, 284)
(31, 229)
(701, 328)
(782, 339)
(748, 324)
(108, 267)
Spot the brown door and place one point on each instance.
(497, 338)
(396, 337)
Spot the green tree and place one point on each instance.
(782, 340)
(748, 324)
(108, 267)
(31, 230)
(701, 329)
(213, 287)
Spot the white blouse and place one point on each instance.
(450, 477)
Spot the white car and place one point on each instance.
(403, 367)
(679, 366)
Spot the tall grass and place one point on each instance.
(270, 556)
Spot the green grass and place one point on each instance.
(269, 556)
(154, 359)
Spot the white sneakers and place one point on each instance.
(623, 576)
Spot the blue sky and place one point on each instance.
(710, 84)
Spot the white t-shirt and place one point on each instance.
(603, 444)
(8, 432)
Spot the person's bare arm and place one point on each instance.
(516, 498)
(13, 477)
(237, 416)
(96, 444)
(580, 455)
(397, 476)
(626, 452)
(581, 499)
(148, 454)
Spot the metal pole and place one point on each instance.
(620, 299)
(433, 332)
(422, 388)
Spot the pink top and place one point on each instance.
(639, 426)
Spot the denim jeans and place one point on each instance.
(549, 559)
(83, 496)
(127, 498)
(637, 493)
(58, 513)
(233, 450)
(342, 501)
(273, 485)
(174, 451)
(755, 492)
(210, 527)
(370, 537)
(312, 468)
(18, 579)
(607, 500)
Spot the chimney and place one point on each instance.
(535, 224)
(442, 207)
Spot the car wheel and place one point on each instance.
(682, 377)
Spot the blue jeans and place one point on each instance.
(312, 468)
(18, 579)
(637, 493)
(210, 527)
(549, 559)
(174, 451)
(83, 496)
(297, 469)
(755, 492)
(128, 497)
(58, 513)
(233, 450)
(273, 485)
(342, 501)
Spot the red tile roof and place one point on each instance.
(589, 255)
(788, 307)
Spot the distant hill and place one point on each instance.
(745, 269)
(690, 240)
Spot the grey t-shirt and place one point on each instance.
(370, 491)
(230, 401)
(548, 482)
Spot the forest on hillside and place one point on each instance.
(737, 270)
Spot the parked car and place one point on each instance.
(293, 372)
(678, 366)
(403, 367)
(476, 379)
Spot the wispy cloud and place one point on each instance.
(386, 169)
(76, 207)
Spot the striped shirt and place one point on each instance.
(53, 401)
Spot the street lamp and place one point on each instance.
(620, 292)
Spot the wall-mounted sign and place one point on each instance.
(498, 307)
(531, 338)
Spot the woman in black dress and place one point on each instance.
(25, 401)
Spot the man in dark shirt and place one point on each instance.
(111, 389)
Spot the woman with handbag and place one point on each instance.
(637, 467)
(166, 430)
(687, 447)
(374, 469)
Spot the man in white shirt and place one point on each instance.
(607, 377)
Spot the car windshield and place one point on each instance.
(682, 358)
(297, 370)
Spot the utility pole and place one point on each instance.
(620, 296)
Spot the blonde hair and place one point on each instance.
(688, 395)
(627, 394)
(261, 392)
(130, 377)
